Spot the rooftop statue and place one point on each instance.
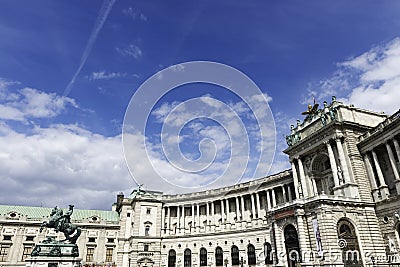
(311, 111)
(61, 222)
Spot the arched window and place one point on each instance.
(268, 253)
(203, 257)
(348, 241)
(171, 258)
(235, 255)
(292, 245)
(251, 255)
(187, 258)
(219, 257)
(322, 174)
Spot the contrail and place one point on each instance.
(101, 18)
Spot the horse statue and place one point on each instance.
(62, 223)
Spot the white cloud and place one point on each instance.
(103, 75)
(31, 103)
(62, 164)
(59, 164)
(370, 80)
(130, 50)
(226, 135)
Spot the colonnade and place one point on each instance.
(379, 185)
(233, 211)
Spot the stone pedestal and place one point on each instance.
(54, 248)
(43, 261)
(52, 253)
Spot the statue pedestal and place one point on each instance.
(43, 261)
(52, 253)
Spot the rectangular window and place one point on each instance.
(110, 240)
(146, 247)
(109, 254)
(128, 215)
(89, 254)
(188, 211)
(7, 238)
(30, 238)
(173, 211)
(92, 239)
(27, 252)
(4, 250)
(148, 211)
(203, 210)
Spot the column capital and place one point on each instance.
(327, 142)
(338, 136)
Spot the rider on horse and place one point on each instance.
(62, 223)
(58, 219)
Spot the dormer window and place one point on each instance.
(13, 215)
(94, 219)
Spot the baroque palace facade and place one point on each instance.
(337, 206)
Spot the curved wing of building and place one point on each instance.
(338, 205)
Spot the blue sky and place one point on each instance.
(61, 135)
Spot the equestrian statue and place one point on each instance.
(61, 222)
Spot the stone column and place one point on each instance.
(253, 208)
(273, 197)
(289, 193)
(237, 209)
(198, 218)
(169, 220)
(268, 200)
(378, 169)
(222, 212)
(227, 209)
(297, 185)
(242, 204)
(212, 213)
(193, 219)
(384, 191)
(332, 161)
(392, 161)
(178, 218)
(183, 220)
(397, 148)
(302, 178)
(284, 193)
(314, 185)
(343, 162)
(302, 233)
(163, 211)
(258, 205)
(207, 214)
(370, 173)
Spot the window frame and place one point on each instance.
(219, 256)
(251, 255)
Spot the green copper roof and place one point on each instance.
(43, 213)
